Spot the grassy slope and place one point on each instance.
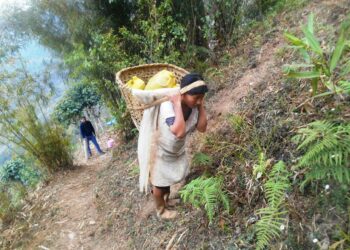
(250, 85)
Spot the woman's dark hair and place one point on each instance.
(191, 78)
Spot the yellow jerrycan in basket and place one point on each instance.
(163, 79)
(136, 83)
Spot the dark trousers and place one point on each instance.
(92, 138)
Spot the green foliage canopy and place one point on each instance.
(98, 38)
(97, 67)
(77, 98)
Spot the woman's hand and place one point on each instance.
(201, 104)
(179, 126)
(175, 98)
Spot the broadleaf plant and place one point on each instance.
(325, 68)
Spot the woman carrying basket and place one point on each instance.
(177, 118)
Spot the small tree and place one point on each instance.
(98, 66)
(77, 99)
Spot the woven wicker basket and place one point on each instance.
(145, 72)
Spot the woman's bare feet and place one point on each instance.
(172, 202)
(167, 214)
(174, 190)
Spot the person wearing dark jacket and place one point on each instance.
(88, 134)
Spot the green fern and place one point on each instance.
(268, 227)
(207, 193)
(260, 168)
(327, 151)
(273, 216)
(201, 159)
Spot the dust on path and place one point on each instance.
(71, 220)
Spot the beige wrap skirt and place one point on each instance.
(171, 164)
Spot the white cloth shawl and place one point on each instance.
(147, 134)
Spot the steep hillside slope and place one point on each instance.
(98, 205)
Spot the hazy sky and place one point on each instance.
(33, 53)
(9, 3)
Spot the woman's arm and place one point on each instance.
(202, 118)
(179, 126)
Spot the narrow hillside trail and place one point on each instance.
(71, 218)
(97, 205)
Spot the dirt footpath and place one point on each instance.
(71, 219)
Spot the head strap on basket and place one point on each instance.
(192, 86)
(184, 90)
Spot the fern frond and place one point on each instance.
(210, 201)
(207, 193)
(273, 216)
(268, 227)
(225, 201)
(327, 150)
(279, 171)
(201, 159)
(275, 192)
(259, 169)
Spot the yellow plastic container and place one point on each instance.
(163, 79)
(136, 83)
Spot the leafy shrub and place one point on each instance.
(51, 147)
(16, 170)
(10, 171)
(327, 151)
(272, 217)
(329, 67)
(207, 193)
(30, 176)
